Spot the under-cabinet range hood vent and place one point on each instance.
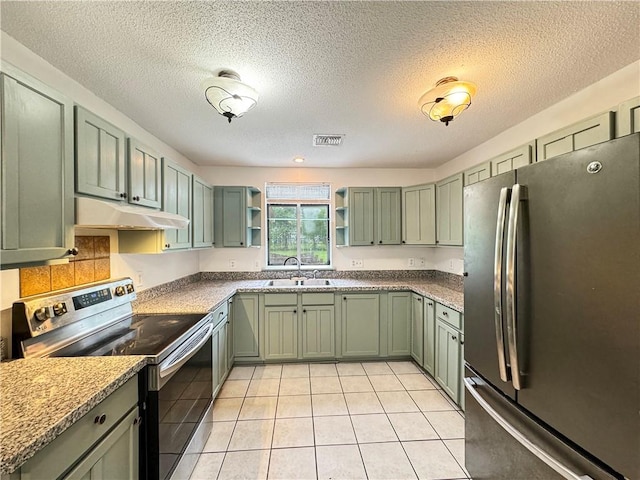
(101, 214)
(327, 140)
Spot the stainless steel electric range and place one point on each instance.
(176, 388)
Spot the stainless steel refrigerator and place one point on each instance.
(552, 318)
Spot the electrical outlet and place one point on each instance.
(358, 263)
(421, 262)
(412, 262)
(451, 265)
(232, 264)
(139, 278)
(257, 264)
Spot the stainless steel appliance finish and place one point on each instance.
(569, 280)
(176, 394)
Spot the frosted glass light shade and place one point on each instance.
(228, 95)
(447, 100)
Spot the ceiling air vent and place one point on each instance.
(327, 140)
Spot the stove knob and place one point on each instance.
(129, 288)
(59, 309)
(120, 291)
(43, 313)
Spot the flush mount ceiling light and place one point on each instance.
(447, 100)
(298, 159)
(228, 95)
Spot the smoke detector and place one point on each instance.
(334, 140)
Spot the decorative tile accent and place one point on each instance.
(35, 280)
(92, 263)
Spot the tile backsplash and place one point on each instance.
(92, 263)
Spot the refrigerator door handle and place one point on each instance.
(505, 194)
(512, 335)
(553, 463)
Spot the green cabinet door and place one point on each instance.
(461, 387)
(628, 117)
(215, 360)
(361, 216)
(176, 198)
(230, 345)
(449, 211)
(202, 214)
(429, 343)
(448, 359)
(417, 328)
(511, 160)
(116, 456)
(145, 175)
(223, 358)
(100, 159)
(419, 215)
(318, 333)
(388, 218)
(245, 325)
(280, 333)
(360, 322)
(230, 217)
(398, 323)
(477, 174)
(36, 180)
(579, 135)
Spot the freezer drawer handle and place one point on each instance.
(505, 194)
(524, 441)
(512, 333)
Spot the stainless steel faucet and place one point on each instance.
(297, 261)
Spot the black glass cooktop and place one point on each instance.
(138, 335)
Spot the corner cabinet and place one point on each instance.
(449, 211)
(202, 214)
(176, 198)
(368, 216)
(100, 157)
(419, 215)
(237, 217)
(145, 187)
(37, 164)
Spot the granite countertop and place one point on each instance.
(40, 398)
(205, 295)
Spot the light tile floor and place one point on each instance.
(370, 420)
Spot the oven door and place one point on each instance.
(180, 393)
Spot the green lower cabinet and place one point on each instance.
(360, 322)
(221, 351)
(461, 398)
(318, 333)
(281, 333)
(245, 325)
(417, 328)
(399, 323)
(429, 343)
(448, 359)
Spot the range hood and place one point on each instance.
(94, 213)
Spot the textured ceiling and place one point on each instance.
(356, 68)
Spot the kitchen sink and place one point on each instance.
(298, 282)
(282, 282)
(314, 282)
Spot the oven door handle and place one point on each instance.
(185, 352)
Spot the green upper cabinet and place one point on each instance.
(237, 216)
(449, 211)
(360, 324)
(387, 215)
(419, 215)
(176, 198)
(628, 118)
(477, 173)
(100, 157)
(361, 216)
(145, 177)
(579, 135)
(36, 185)
(368, 216)
(202, 213)
(511, 160)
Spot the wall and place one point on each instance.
(154, 272)
(603, 95)
(374, 258)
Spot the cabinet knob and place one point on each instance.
(136, 198)
(123, 195)
(403, 241)
(137, 420)
(465, 274)
(453, 337)
(430, 304)
(295, 310)
(419, 299)
(73, 251)
(344, 298)
(167, 245)
(304, 310)
(372, 243)
(446, 314)
(241, 243)
(100, 419)
(380, 241)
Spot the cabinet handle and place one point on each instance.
(100, 419)
(73, 251)
(123, 195)
(461, 342)
(137, 421)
